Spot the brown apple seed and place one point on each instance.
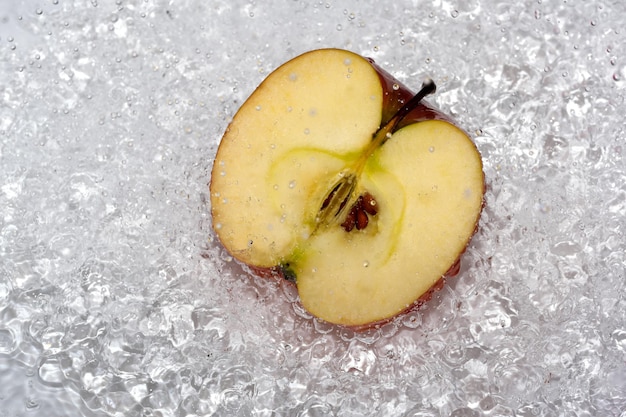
(369, 204)
(361, 219)
(350, 221)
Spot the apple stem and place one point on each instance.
(386, 130)
(428, 87)
(342, 191)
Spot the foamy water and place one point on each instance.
(117, 300)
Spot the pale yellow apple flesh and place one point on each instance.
(309, 126)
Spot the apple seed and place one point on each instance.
(369, 204)
(357, 215)
(361, 219)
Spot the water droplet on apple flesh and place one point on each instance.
(258, 108)
(431, 149)
(292, 184)
(366, 264)
(307, 131)
(276, 186)
(293, 76)
(347, 61)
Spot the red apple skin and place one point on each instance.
(395, 94)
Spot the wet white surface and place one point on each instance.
(115, 299)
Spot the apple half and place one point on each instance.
(335, 175)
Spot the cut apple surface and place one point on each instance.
(332, 174)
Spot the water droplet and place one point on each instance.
(454, 14)
(39, 11)
(276, 186)
(366, 264)
(396, 87)
(347, 61)
(224, 201)
(223, 173)
(292, 184)
(293, 76)
(258, 108)
(339, 27)
(431, 149)
(307, 131)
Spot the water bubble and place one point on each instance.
(293, 76)
(275, 186)
(396, 87)
(307, 131)
(431, 149)
(39, 12)
(7, 341)
(339, 27)
(292, 184)
(366, 264)
(347, 61)
(454, 14)
(258, 108)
